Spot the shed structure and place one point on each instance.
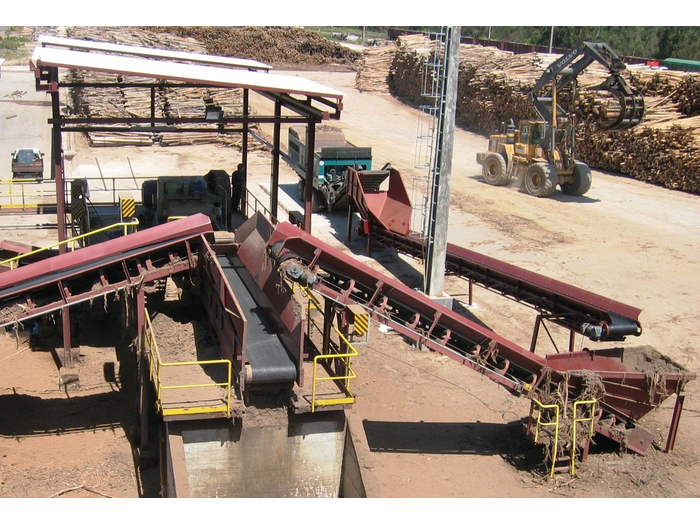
(307, 103)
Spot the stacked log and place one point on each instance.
(372, 70)
(124, 102)
(406, 74)
(493, 88)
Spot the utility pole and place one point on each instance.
(442, 168)
(551, 39)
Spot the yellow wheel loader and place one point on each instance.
(542, 152)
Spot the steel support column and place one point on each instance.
(275, 178)
(143, 365)
(67, 360)
(57, 159)
(244, 145)
(327, 325)
(675, 421)
(309, 185)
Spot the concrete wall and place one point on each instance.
(351, 483)
(299, 457)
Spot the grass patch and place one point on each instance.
(341, 33)
(13, 46)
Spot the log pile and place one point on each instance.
(124, 102)
(493, 87)
(372, 70)
(267, 44)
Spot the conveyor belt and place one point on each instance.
(599, 318)
(268, 359)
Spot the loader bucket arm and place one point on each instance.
(569, 66)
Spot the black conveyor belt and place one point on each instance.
(269, 360)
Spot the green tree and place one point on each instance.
(640, 41)
(679, 42)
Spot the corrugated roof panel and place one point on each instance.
(209, 75)
(151, 52)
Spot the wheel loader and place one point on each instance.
(543, 152)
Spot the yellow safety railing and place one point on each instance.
(18, 199)
(344, 359)
(125, 225)
(156, 364)
(554, 423)
(576, 419)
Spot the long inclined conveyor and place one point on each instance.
(630, 391)
(50, 285)
(386, 216)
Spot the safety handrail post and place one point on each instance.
(343, 358)
(554, 423)
(577, 419)
(156, 363)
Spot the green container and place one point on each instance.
(680, 64)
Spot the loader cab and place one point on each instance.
(530, 138)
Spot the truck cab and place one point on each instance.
(333, 155)
(28, 163)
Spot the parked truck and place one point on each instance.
(28, 163)
(333, 155)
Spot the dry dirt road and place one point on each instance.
(433, 428)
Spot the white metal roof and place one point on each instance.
(151, 52)
(209, 75)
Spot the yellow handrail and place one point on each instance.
(345, 359)
(554, 423)
(576, 419)
(124, 225)
(155, 364)
(42, 190)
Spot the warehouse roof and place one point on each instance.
(73, 43)
(165, 70)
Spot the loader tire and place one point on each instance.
(541, 179)
(316, 201)
(494, 170)
(300, 190)
(582, 180)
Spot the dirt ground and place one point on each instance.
(433, 428)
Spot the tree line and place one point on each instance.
(640, 41)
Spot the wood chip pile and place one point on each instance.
(272, 45)
(493, 87)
